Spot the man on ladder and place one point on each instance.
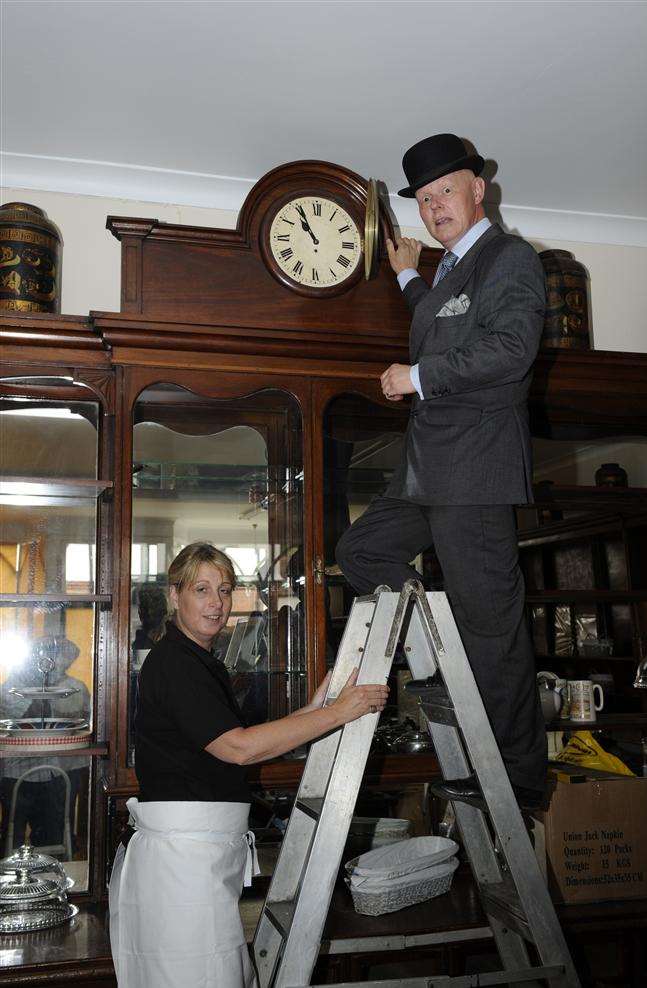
(467, 453)
(474, 337)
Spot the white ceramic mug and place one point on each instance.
(581, 695)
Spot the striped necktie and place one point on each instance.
(447, 263)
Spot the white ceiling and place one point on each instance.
(191, 102)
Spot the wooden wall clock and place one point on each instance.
(311, 236)
(295, 267)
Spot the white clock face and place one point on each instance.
(315, 242)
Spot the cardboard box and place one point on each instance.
(592, 840)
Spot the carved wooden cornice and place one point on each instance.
(45, 330)
(573, 387)
(125, 330)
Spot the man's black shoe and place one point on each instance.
(468, 790)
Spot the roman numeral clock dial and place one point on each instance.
(314, 243)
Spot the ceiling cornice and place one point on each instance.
(147, 184)
(116, 181)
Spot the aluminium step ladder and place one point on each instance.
(512, 890)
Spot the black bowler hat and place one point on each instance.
(434, 157)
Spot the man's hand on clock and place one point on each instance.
(405, 253)
(304, 223)
(396, 382)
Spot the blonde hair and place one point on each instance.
(186, 564)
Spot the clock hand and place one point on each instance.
(304, 223)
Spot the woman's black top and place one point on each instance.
(185, 701)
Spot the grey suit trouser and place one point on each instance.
(477, 550)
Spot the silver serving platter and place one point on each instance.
(33, 726)
(43, 692)
(26, 920)
(29, 902)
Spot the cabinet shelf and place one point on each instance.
(62, 486)
(49, 491)
(588, 497)
(570, 530)
(611, 722)
(585, 658)
(600, 510)
(585, 596)
(9, 599)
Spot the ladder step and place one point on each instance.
(545, 973)
(429, 689)
(280, 915)
(504, 904)
(439, 714)
(310, 805)
(434, 700)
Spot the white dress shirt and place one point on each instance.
(460, 250)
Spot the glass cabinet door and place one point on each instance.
(48, 618)
(228, 472)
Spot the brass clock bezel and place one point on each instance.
(371, 228)
(309, 291)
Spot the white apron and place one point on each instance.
(174, 919)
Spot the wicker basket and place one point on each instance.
(402, 858)
(370, 899)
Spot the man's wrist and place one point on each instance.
(414, 374)
(404, 277)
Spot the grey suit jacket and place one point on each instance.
(468, 441)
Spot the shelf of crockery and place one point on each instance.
(603, 722)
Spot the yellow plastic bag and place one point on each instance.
(582, 749)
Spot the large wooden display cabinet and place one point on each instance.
(235, 403)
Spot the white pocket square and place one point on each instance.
(455, 306)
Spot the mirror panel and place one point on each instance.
(42, 438)
(228, 472)
(45, 801)
(47, 668)
(47, 547)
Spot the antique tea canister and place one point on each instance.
(567, 301)
(611, 475)
(30, 260)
